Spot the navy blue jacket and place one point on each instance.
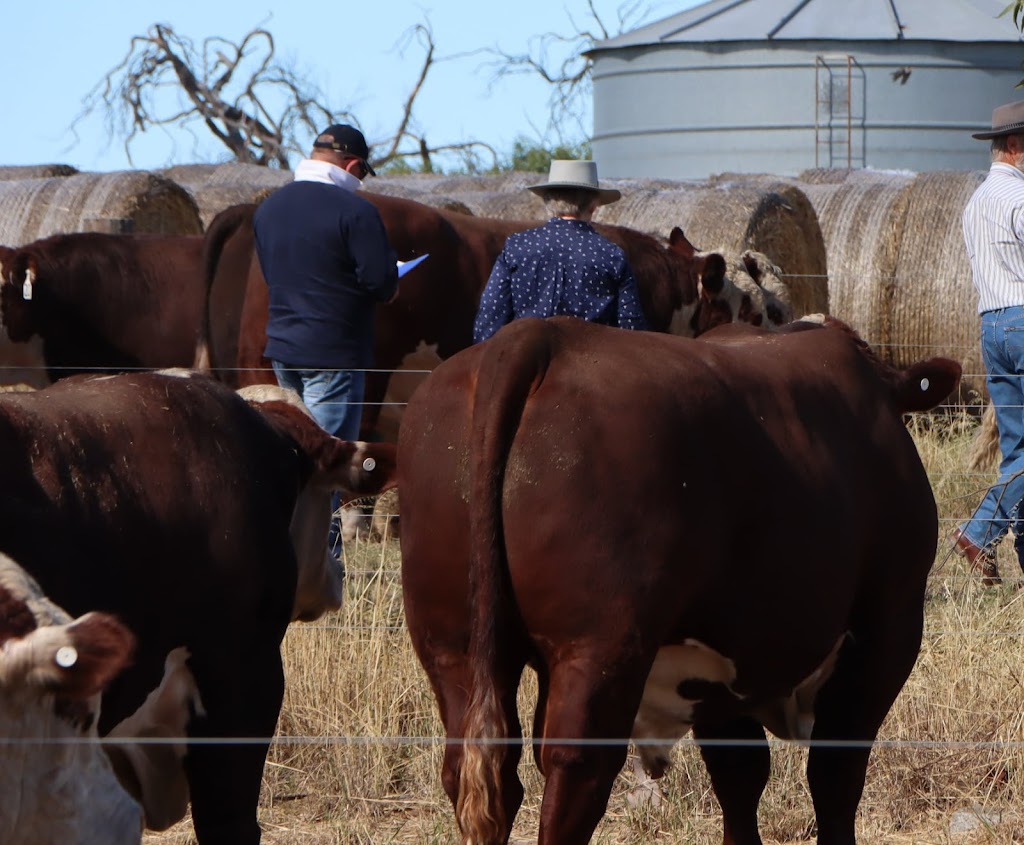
(562, 267)
(326, 258)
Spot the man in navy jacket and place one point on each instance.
(326, 258)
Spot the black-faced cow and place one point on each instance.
(56, 781)
(675, 534)
(681, 290)
(170, 501)
(103, 302)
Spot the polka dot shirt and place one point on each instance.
(562, 267)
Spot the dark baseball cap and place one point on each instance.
(346, 139)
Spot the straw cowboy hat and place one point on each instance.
(576, 174)
(1006, 120)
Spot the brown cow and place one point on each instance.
(200, 520)
(56, 783)
(104, 302)
(725, 534)
(681, 291)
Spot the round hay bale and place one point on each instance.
(11, 172)
(215, 187)
(934, 303)
(773, 218)
(436, 183)
(862, 222)
(124, 201)
(840, 175)
(393, 189)
(504, 205)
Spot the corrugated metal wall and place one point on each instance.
(686, 111)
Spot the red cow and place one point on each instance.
(57, 783)
(105, 302)
(680, 290)
(200, 520)
(725, 534)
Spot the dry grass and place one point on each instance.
(359, 760)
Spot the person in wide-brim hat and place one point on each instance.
(565, 267)
(1006, 120)
(994, 239)
(576, 175)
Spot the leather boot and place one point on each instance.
(980, 559)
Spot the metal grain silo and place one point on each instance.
(780, 86)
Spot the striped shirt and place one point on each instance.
(562, 267)
(993, 224)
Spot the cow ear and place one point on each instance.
(680, 243)
(357, 468)
(76, 660)
(925, 384)
(712, 275)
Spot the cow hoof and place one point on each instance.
(647, 792)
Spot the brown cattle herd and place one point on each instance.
(195, 494)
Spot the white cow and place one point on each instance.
(56, 782)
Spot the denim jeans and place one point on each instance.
(335, 399)
(1002, 349)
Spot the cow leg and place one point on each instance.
(451, 685)
(851, 707)
(739, 774)
(243, 700)
(586, 701)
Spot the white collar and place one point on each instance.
(313, 170)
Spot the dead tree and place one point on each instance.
(262, 111)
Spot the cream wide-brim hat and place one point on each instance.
(566, 173)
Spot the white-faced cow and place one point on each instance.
(726, 534)
(56, 782)
(103, 302)
(200, 520)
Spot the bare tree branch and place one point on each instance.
(256, 107)
(559, 60)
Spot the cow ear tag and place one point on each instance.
(66, 657)
(26, 289)
(369, 464)
(924, 385)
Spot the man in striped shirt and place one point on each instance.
(993, 225)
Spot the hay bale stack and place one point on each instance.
(504, 205)
(392, 189)
(934, 304)
(841, 175)
(12, 173)
(774, 218)
(862, 222)
(218, 186)
(436, 183)
(123, 201)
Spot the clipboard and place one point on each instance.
(405, 266)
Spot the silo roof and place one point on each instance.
(845, 20)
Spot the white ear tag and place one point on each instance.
(66, 657)
(26, 289)
(924, 384)
(369, 464)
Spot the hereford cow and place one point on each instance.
(103, 302)
(725, 534)
(57, 783)
(200, 520)
(680, 290)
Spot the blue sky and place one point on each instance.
(55, 52)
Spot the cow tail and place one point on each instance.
(509, 370)
(221, 228)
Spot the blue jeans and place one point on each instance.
(335, 399)
(1002, 349)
